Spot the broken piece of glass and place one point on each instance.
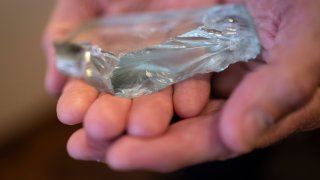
(140, 54)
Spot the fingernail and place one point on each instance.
(257, 123)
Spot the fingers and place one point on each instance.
(188, 142)
(107, 117)
(191, 96)
(199, 141)
(150, 115)
(62, 22)
(82, 148)
(74, 102)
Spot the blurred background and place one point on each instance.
(32, 141)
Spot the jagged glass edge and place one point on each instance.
(94, 49)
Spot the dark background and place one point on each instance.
(32, 141)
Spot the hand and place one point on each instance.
(264, 102)
(106, 117)
(239, 126)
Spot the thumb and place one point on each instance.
(273, 91)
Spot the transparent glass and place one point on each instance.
(140, 54)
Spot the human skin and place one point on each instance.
(259, 103)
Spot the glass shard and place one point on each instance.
(140, 54)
